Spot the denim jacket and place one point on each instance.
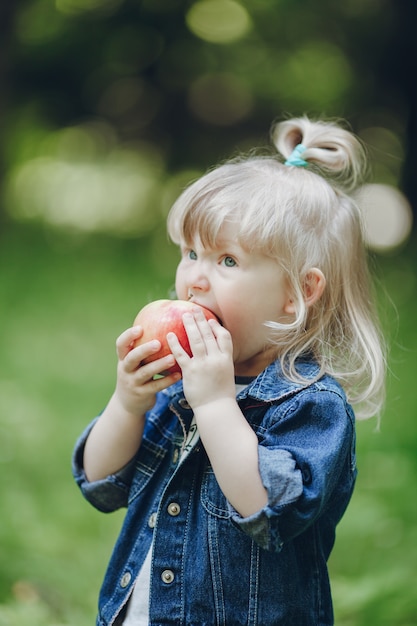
(210, 566)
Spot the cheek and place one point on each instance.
(180, 288)
(239, 320)
(246, 323)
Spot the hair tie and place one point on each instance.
(295, 157)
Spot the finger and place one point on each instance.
(154, 385)
(154, 368)
(198, 333)
(206, 332)
(222, 335)
(157, 384)
(178, 352)
(126, 340)
(135, 356)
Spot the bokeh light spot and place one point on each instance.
(318, 66)
(38, 23)
(82, 183)
(387, 215)
(218, 21)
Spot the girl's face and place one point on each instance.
(244, 289)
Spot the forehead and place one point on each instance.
(226, 237)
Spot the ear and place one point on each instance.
(313, 287)
(314, 284)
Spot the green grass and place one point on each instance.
(63, 302)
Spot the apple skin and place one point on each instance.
(161, 317)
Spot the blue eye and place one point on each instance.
(229, 261)
(192, 255)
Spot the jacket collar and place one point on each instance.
(270, 386)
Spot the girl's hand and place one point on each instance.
(209, 373)
(209, 386)
(136, 387)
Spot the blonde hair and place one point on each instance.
(303, 218)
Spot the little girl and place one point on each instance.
(236, 473)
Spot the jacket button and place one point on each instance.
(125, 579)
(183, 403)
(167, 576)
(174, 509)
(152, 520)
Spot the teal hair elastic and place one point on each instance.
(295, 157)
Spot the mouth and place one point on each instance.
(191, 299)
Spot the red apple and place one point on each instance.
(161, 317)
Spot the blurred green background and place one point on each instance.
(107, 109)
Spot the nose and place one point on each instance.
(198, 280)
(201, 284)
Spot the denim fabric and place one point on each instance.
(210, 566)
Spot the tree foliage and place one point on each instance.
(182, 85)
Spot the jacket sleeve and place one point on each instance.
(108, 494)
(307, 465)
